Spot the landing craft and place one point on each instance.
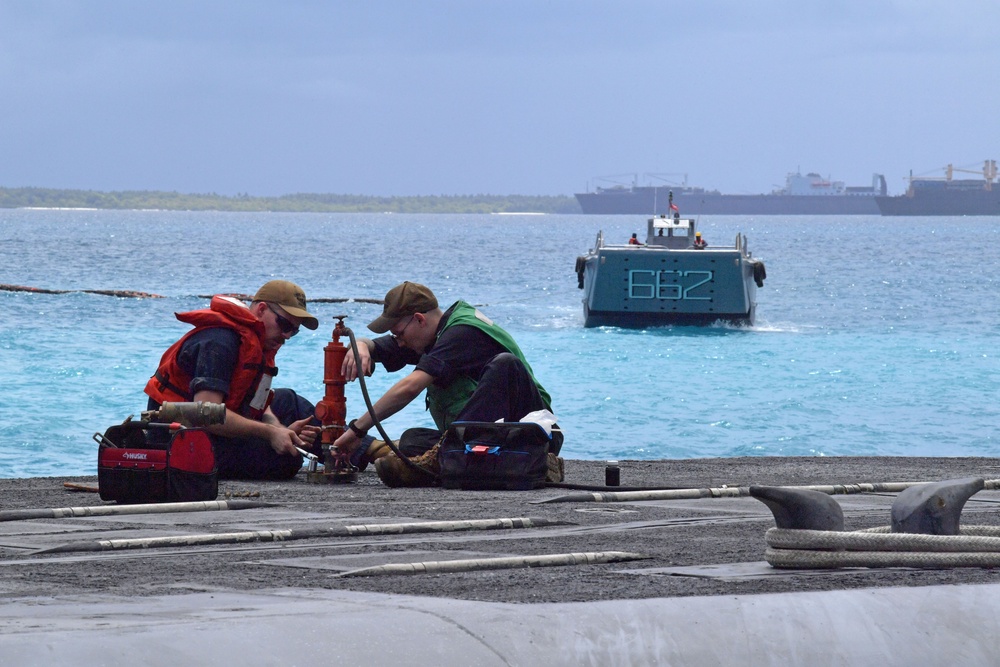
(675, 277)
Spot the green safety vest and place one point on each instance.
(446, 402)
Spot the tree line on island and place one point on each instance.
(295, 203)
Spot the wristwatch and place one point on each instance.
(357, 431)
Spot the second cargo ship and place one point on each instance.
(948, 195)
(808, 194)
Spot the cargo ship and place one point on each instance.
(947, 195)
(808, 194)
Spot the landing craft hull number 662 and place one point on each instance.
(644, 284)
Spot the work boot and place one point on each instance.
(557, 469)
(376, 450)
(395, 473)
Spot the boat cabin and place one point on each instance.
(675, 233)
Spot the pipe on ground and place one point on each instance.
(305, 533)
(503, 563)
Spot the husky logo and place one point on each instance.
(134, 456)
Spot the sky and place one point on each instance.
(532, 97)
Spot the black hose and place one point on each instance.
(371, 410)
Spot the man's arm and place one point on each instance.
(395, 399)
(283, 440)
(382, 350)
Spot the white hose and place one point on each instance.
(304, 533)
(501, 563)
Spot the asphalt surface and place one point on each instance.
(702, 547)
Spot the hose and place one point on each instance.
(119, 510)
(362, 530)
(501, 563)
(371, 412)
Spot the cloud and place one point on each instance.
(454, 97)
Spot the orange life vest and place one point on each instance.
(250, 385)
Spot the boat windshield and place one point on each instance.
(671, 223)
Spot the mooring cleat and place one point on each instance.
(800, 509)
(933, 509)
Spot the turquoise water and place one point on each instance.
(874, 335)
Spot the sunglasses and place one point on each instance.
(283, 323)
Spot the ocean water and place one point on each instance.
(874, 336)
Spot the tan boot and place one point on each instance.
(557, 470)
(395, 473)
(375, 451)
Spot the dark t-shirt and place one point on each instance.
(209, 357)
(460, 350)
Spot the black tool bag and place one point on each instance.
(134, 465)
(488, 455)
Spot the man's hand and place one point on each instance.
(285, 440)
(306, 431)
(348, 442)
(349, 369)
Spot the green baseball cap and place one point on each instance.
(402, 301)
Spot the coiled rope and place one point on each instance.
(976, 546)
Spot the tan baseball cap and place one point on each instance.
(290, 297)
(402, 301)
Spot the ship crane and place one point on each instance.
(615, 180)
(665, 177)
(988, 172)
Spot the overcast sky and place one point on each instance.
(409, 97)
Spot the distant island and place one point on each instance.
(296, 203)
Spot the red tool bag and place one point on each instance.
(135, 466)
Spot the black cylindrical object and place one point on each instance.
(612, 474)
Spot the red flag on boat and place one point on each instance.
(673, 207)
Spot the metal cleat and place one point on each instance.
(800, 509)
(933, 509)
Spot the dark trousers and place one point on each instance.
(505, 391)
(253, 458)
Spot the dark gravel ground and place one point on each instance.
(708, 531)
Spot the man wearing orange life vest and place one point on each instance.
(229, 358)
